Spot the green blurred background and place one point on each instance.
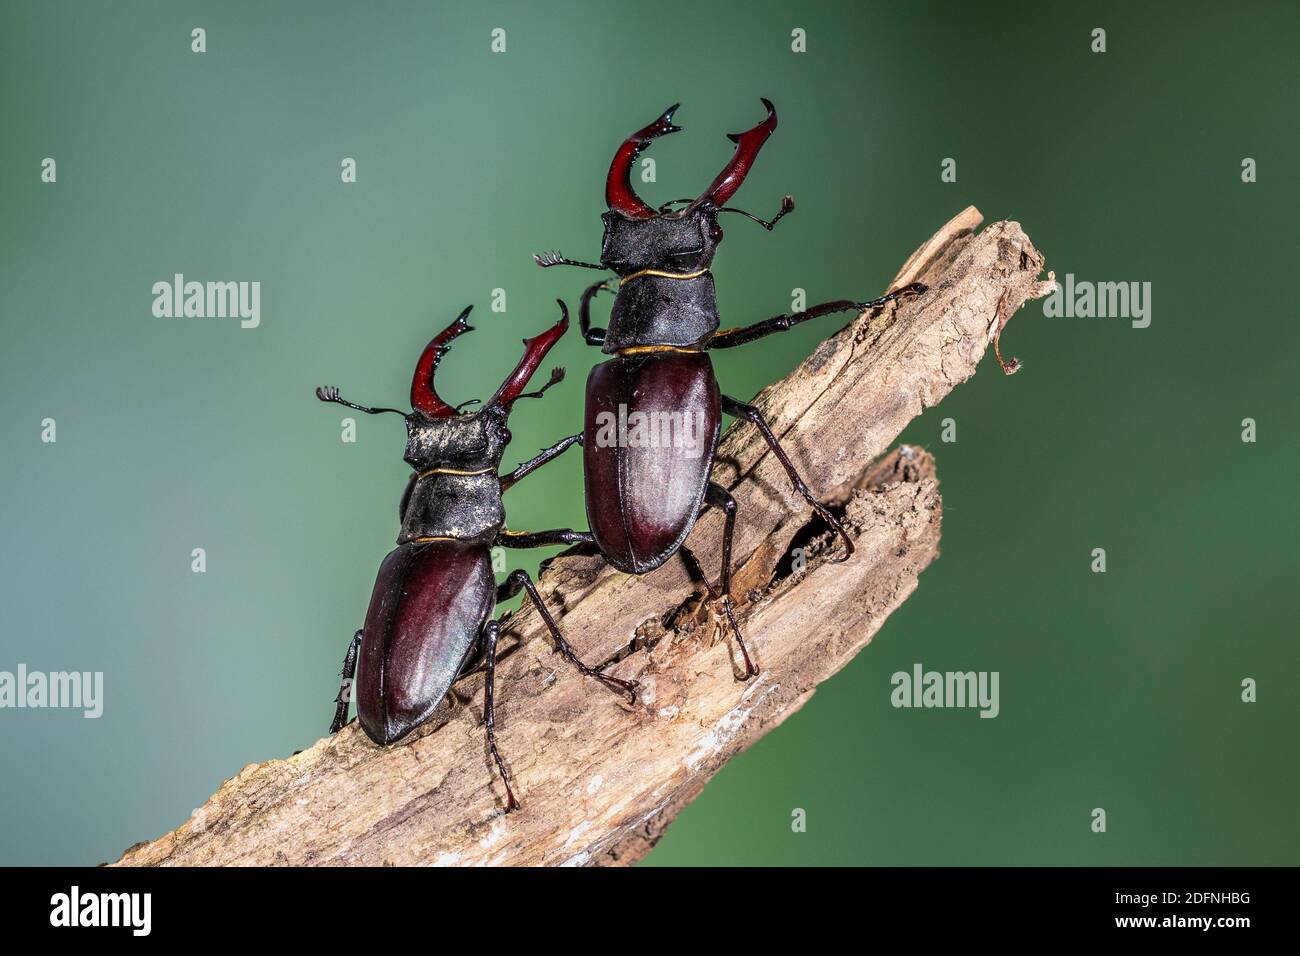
(1118, 690)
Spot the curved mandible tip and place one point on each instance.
(535, 350)
(619, 195)
(733, 174)
(424, 397)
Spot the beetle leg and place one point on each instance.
(695, 571)
(539, 539)
(719, 497)
(697, 574)
(493, 631)
(345, 684)
(532, 464)
(589, 335)
(749, 413)
(520, 580)
(730, 338)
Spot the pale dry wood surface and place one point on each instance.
(600, 779)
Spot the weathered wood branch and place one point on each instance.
(599, 779)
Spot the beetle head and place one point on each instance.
(440, 436)
(682, 244)
(680, 241)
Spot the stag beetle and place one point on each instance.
(642, 497)
(430, 616)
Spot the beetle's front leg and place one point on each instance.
(532, 464)
(730, 338)
(589, 335)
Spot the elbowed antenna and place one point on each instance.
(733, 174)
(535, 350)
(619, 196)
(424, 398)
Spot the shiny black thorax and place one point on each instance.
(455, 490)
(666, 294)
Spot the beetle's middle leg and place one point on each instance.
(519, 580)
(542, 539)
(345, 684)
(749, 413)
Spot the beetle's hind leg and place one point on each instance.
(345, 684)
(749, 413)
(719, 497)
(519, 580)
(492, 631)
(697, 574)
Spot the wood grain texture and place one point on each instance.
(600, 779)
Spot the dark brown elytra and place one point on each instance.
(430, 618)
(644, 494)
